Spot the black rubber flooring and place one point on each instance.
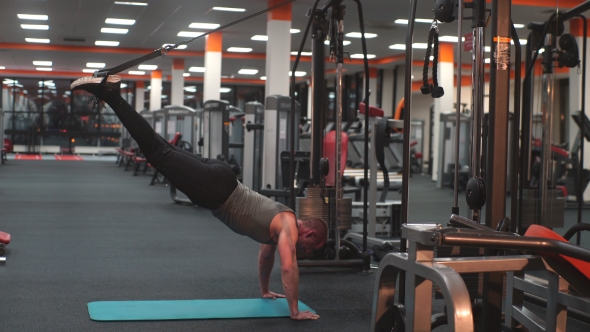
(88, 231)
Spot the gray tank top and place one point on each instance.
(246, 212)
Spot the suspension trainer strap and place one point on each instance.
(435, 61)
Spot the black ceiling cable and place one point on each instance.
(164, 50)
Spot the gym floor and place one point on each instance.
(87, 231)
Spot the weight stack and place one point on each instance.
(314, 206)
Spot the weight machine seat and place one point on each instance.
(4, 238)
(544, 232)
(373, 111)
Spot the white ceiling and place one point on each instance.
(160, 21)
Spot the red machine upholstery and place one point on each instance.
(176, 139)
(540, 231)
(4, 238)
(330, 153)
(373, 111)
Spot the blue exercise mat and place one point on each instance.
(189, 309)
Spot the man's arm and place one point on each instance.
(266, 259)
(290, 271)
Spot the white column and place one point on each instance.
(575, 97)
(373, 73)
(278, 50)
(139, 95)
(156, 90)
(212, 76)
(177, 84)
(446, 72)
(387, 93)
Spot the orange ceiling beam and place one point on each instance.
(546, 3)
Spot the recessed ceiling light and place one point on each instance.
(263, 78)
(248, 71)
(136, 72)
(295, 31)
(361, 56)
(197, 69)
(180, 47)
(522, 42)
(260, 37)
(518, 26)
(298, 74)
(239, 49)
(191, 34)
(2, 67)
(186, 74)
(35, 26)
(44, 68)
(359, 35)
(397, 47)
(191, 88)
(114, 30)
(229, 9)
(147, 67)
(128, 3)
(417, 20)
(32, 17)
(421, 46)
(119, 21)
(203, 25)
(452, 39)
(487, 48)
(224, 90)
(344, 42)
(302, 53)
(106, 43)
(95, 64)
(37, 40)
(42, 63)
(487, 60)
(88, 70)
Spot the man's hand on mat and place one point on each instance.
(305, 315)
(272, 295)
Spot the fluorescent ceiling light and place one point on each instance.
(541, 50)
(35, 26)
(2, 67)
(37, 40)
(186, 74)
(123, 85)
(518, 26)
(359, 35)
(224, 90)
(487, 48)
(295, 31)
(44, 68)
(42, 63)
(229, 9)
(248, 71)
(487, 60)
(191, 88)
(263, 78)
(344, 42)
(417, 20)
(422, 46)
(451, 39)
(180, 47)
(128, 3)
(88, 70)
(147, 67)
(203, 25)
(298, 74)
(302, 53)
(136, 72)
(32, 17)
(106, 43)
(260, 37)
(397, 47)
(239, 49)
(9, 81)
(119, 21)
(361, 56)
(522, 42)
(95, 64)
(114, 30)
(197, 69)
(191, 34)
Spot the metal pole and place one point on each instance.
(339, 14)
(317, 96)
(547, 136)
(455, 209)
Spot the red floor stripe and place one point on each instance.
(68, 157)
(28, 157)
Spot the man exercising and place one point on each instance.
(212, 184)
